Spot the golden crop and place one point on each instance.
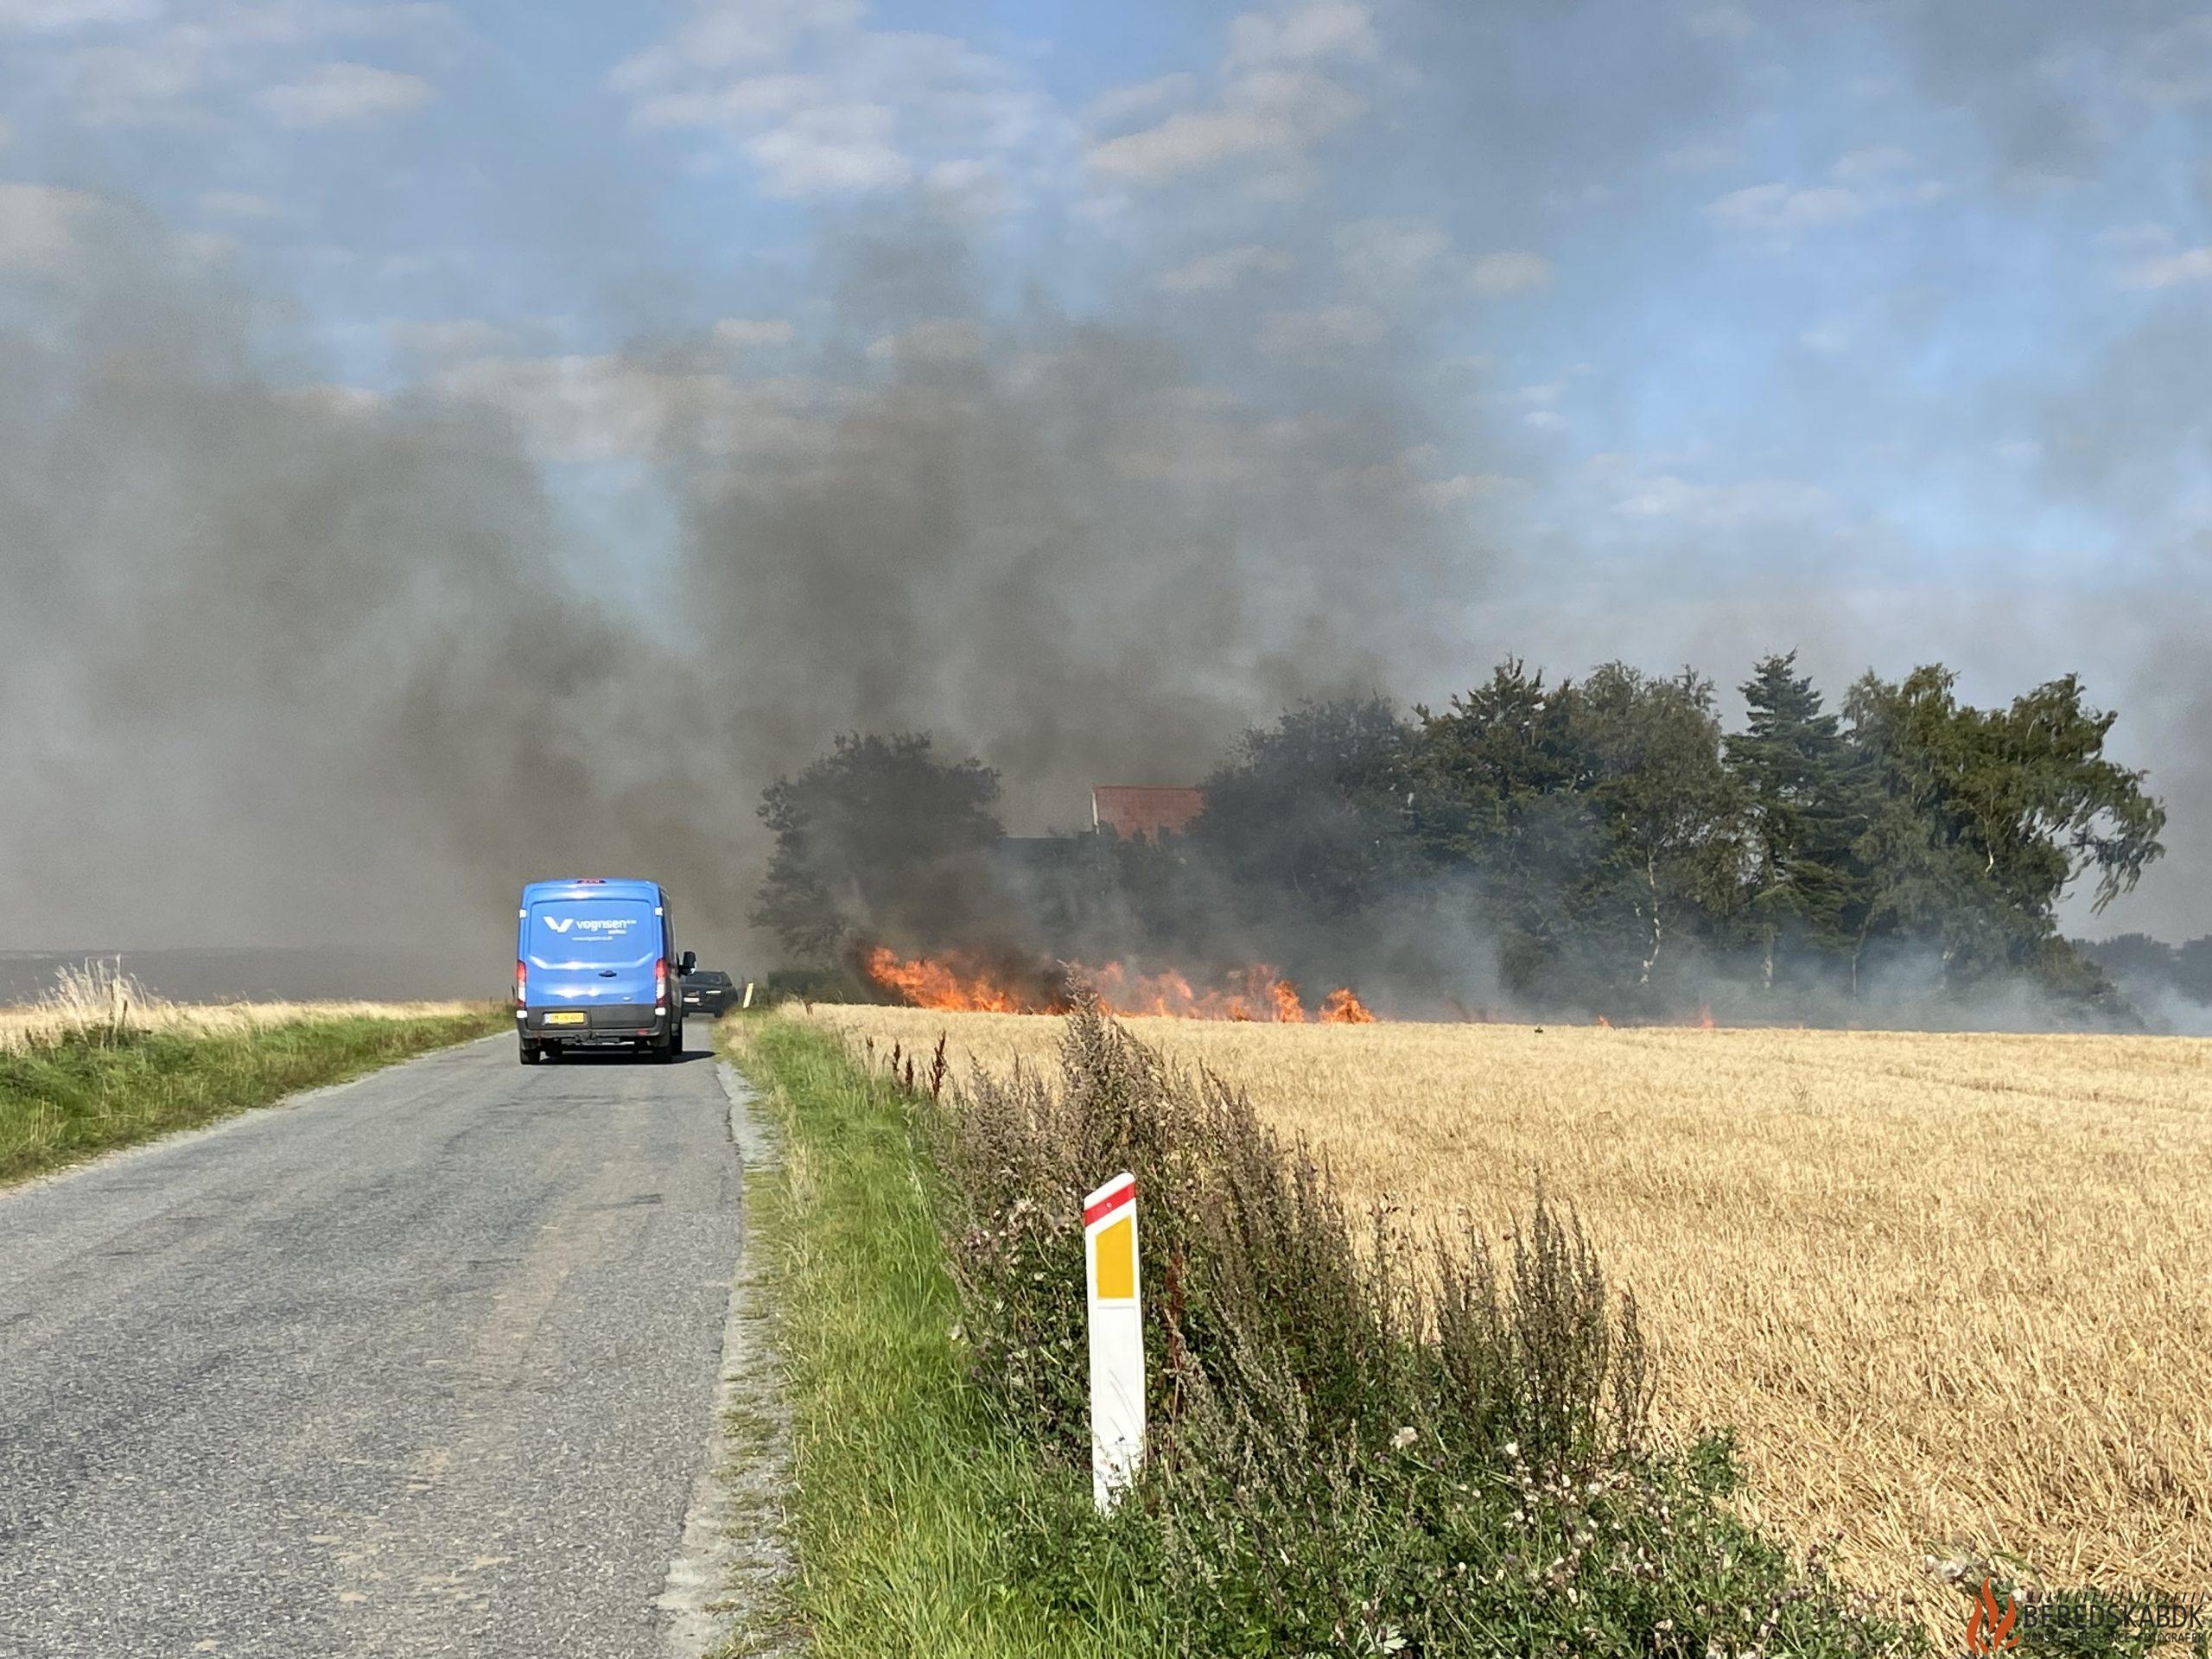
(95, 998)
(1954, 1291)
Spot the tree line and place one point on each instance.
(1595, 844)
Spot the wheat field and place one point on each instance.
(96, 998)
(1953, 1292)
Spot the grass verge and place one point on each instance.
(921, 1524)
(82, 1093)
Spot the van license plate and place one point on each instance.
(575, 1019)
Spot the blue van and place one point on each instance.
(593, 957)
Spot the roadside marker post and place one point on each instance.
(748, 993)
(1109, 1254)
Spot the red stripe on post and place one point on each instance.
(1113, 1199)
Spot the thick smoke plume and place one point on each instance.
(292, 667)
(290, 663)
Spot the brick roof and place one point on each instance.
(1144, 809)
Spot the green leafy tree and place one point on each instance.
(1986, 817)
(880, 841)
(1665, 795)
(1806, 799)
(1497, 787)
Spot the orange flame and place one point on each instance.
(1705, 1016)
(1987, 1633)
(1341, 1008)
(1258, 993)
(928, 984)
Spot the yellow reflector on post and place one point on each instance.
(1117, 1259)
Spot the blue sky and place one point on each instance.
(1693, 328)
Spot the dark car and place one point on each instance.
(709, 992)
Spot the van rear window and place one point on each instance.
(599, 930)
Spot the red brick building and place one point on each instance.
(1143, 809)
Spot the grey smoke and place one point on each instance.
(284, 666)
(289, 667)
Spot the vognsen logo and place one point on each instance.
(611, 926)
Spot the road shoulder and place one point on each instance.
(727, 1586)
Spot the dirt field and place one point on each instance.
(1950, 1290)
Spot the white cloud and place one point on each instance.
(1540, 404)
(1269, 115)
(1322, 332)
(1274, 105)
(753, 333)
(175, 59)
(831, 149)
(2174, 269)
(1780, 207)
(821, 107)
(1190, 142)
(1311, 32)
(1217, 273)
(1512, 270)
(1111, 108)
(338, 94)
(138, 85)
(239, 204)
(1390, 253)
(726, 34)
(40, 226)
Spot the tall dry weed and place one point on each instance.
(1363, 1440)
(100, 1000)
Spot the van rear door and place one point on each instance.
(592, 953)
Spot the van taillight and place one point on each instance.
(660, 980)
(522, 982)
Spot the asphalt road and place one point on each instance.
(421, 1364)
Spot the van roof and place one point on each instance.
(590, 886)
